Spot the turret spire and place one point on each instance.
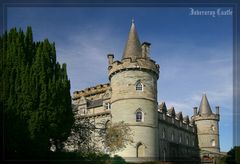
(133, 48)
(204, 108)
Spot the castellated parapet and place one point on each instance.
(143, 64)
(91, 91)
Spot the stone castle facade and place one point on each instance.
(131, 96)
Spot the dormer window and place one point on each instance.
(139, 86)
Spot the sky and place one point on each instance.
(195, 52)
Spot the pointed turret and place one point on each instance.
(204, 108)
(133, 48)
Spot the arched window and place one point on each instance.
(140, 150)
(139, 86)
(213, 128)
(213, 143)
(139, 116)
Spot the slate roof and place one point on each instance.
(204, 108)
(162, 107)
(186, 119)
(171, 111)
(133, 47)
(179, 115)
(94, 103)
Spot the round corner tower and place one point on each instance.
(134, 97)
(207, 126)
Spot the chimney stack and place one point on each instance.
(145, 49)
(110, 58)
(194, 111)
(217, 110)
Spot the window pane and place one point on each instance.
(139, 116)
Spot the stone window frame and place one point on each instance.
(164, 133)
(164, 116)
(139, 86)
(107, 105)
(139, 115)
(213, 128)
(82, 111)
(180, 123)
(180, 138)
(187, 140)
(213, 143)
(172, 136)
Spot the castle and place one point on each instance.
(131, 96)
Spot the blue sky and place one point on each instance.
(194, 52)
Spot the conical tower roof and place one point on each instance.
(204, 108)
(133, 46)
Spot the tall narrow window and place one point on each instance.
(180, 139)
(180, 123)
(213, 143)
(164, 133)
(164, 155)
(187, 141)
(213, 128)
(139, 116)
(139, 86)
(172, 136)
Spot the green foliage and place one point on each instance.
(233, 156)
(35, 94)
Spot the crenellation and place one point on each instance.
(160, 133)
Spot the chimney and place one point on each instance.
(110, 58)
(194, 111)
(217, 110)
(145, 49)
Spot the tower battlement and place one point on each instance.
(129, 64)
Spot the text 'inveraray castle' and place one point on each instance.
(131, 96)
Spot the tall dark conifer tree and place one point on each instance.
(35, 95)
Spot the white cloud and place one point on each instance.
(86, 57)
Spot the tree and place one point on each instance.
(233, 156)
(117, 136)
(35, 95)
(90, 136)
